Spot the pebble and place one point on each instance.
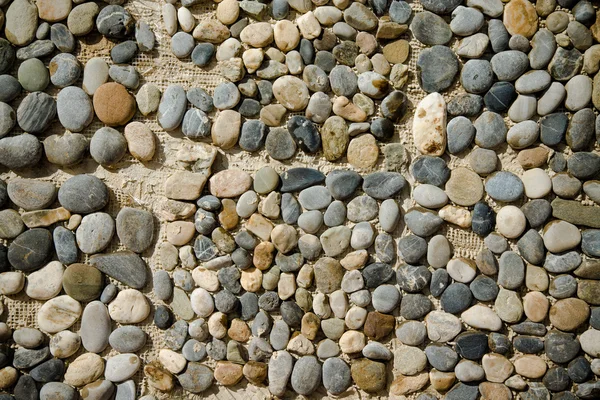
(35, 112)
(430, 29)
(21, 22)
(115, 22)
(129, 307)
(172, 107)
(113, 105)
(73, 98)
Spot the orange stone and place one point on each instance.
(113, 104)
(520, 18)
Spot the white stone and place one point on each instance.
(202, 302)
(11, 282)
(291, 92)
(186, 19)
(64, 344)
(356, 317)
(46, 282)
(338, 303)
(169, 14)
(85, 369)
(461, 270)
(58, 314)
(537, 183)
(121, 367)
(482, 317)
(590, 342)
(309, 26)
(321, 306)
(442, 326)
(510, 222)
(352, 342)
(429, 125)
(206, 279)
(172, 361)
(129, 307)
(561, 236)
(95, 74)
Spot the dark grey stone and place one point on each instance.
(437, 68)
(124, 266)
(456, 298)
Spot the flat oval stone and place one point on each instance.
(115, 22)
(509, 65)
(95, 232)
(58, 314)
(500, 97)
(74, 108)
(95, 327)
(83, 194)
(121, 367)
(504, 186)
(172, 107)
(279, 144)
(430, 29)
(113, 104)
(124, 266)
(35, 112)
(127, 339)
(129, 307)
(460, 132)
(135, 228)
(31, 194)
(21, 22)
(30, 250)
(64, 70)
(45, 283)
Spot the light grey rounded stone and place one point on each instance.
(172, 107)
(95, 327)
(108, 146)
(127, 76)
(95, 232)
(74, 108)
(430, 196)
(64, 70)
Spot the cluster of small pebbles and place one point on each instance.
(50, 230)
(288, 278)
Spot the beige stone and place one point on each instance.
(230, 183)
(172, 361)
(404, 385)
(140, 141)
(259, 226)
(43, 218)
(464, 187)
(180, 233)
(429, 125)
(228, 373)
(284, 237)
(225, 130)
(84, 369)
(251, 279)
(212, 31)
(497, 368)
(569, 314)
(129, 307)
(263, 255)
(363, 151)
(286, 35)
(456, 215)
(258, 34)
(291, 92)
(309, 26)
(535, 305)
(228, 11)
(58, 314)
(343, 107)
(520, 18)
(352, 342)
(530, 366)
(53, 10)
(184, 185)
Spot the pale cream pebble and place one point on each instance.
(355, 317)
(273, 114)
(299, 344)
(253, 59)
(343, 107)
(352, 342)
(64, 344)
(187, 22)
(530, 366)
(180, 233)
(184, 185)
(482, 317)
(206, 279)
(140, 141)
(259, 226)
(84, 369)
(461, 269)
(291, 92)
(129, 307)
(286, 287)
(284, 237)
(355, 260)
(456, 215)
(46, 282)
(259, 34)
(321, 306)
(228, 11)
(74, 222)
(187, 257)
(535, 306)
(251, 279)
(59, 313)
(169, 15)
(429, 125)
(497, 368)
(172, 361)
(510, 222)
(269, 206)
(286, 35)
(338, 303)
(225, 130)
(217, 325)
(537, 183)
(305, 276)
(309, 26)
(11, 282)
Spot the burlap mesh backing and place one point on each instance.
(141, 184)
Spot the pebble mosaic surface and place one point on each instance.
(299, 198)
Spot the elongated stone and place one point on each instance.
(429, 125)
